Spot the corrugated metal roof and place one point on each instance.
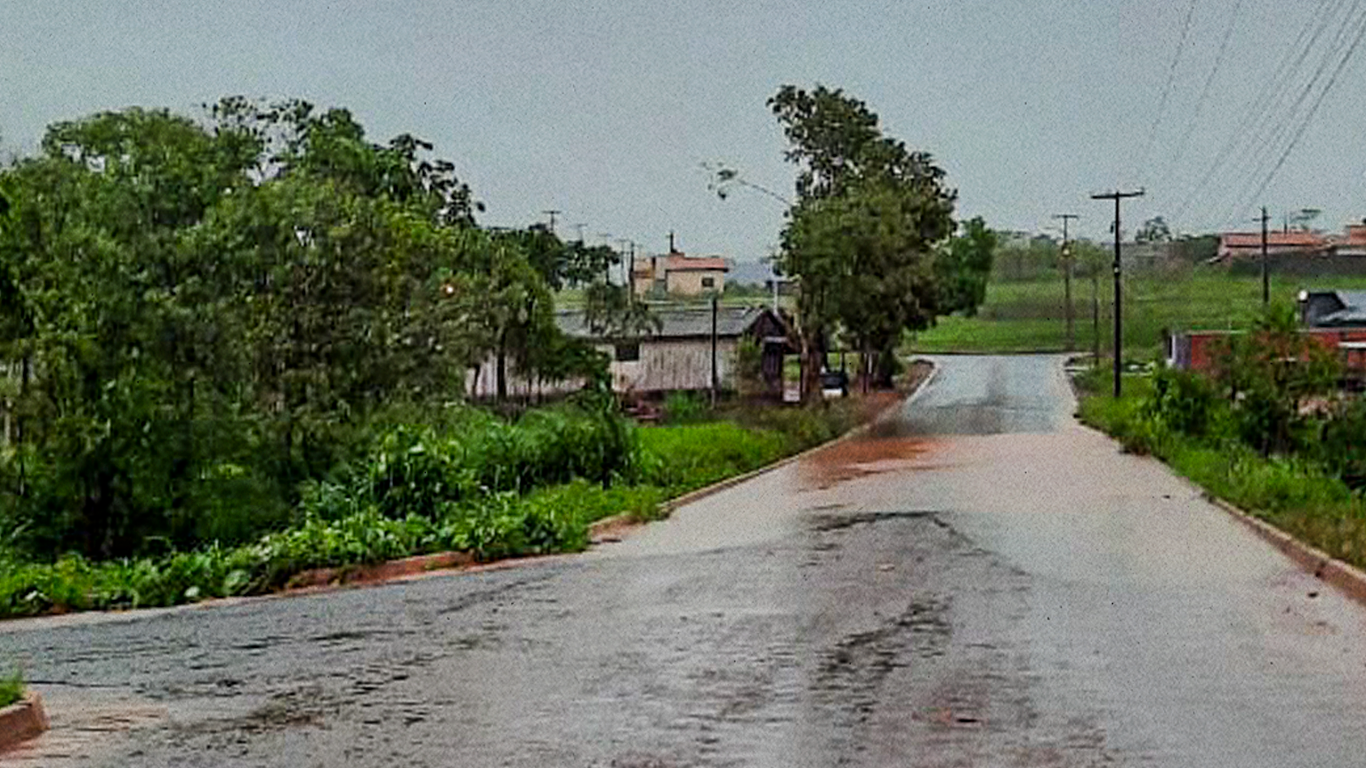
(678, 322)
(1353, 312)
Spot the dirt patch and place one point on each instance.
(861, 457)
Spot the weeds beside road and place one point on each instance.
(469, 482)
(1299, 492)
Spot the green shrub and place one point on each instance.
(11, 689)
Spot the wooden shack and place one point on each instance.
(677, 357)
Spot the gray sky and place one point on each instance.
(606, 109)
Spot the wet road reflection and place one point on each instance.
(975, 581)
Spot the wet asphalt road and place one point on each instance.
(976, 582)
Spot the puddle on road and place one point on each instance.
(869, 455)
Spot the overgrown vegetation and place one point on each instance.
(11, 689)
(1268, 433)
(239, 347)
(467, 481)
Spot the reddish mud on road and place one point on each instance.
(976, 581)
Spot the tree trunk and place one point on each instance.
(502, 368)
(811, 371)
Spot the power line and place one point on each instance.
(1257, 110)
(1171, 80)
(1205, 91)
(1267, 148)
(1304, 126)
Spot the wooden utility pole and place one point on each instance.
(552, 213)
(1067, 279)
(1117, 196)
(1266, 274)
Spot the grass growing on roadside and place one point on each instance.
(11, 689)
(1293, 494)
(430, 492)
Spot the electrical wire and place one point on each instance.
(1171, 80)
(1318, 102)
(1204, 92)
(1264, 150)
(1257, 110)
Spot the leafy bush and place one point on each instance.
(11, 689)
(1184, 401)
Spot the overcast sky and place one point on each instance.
(605, 110)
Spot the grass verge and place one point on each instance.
(11, 689)
(420, 496)
(1293, 494)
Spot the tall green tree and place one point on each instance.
(963, 266)
(861, 235)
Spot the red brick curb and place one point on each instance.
(1347, 578)
(22, 721)
(386, 571)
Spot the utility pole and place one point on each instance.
(1266, 277)
(715, 377)
(1067, 278)
(1117, 196)
(552, 213)
(631, 276)
(580, 227)
(622, 241)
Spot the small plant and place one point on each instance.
(11, 689)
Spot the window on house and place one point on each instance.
(627, 353)
(708, 282)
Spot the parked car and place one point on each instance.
(835, 382)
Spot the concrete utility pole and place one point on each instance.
(580, 227)
(1067, 278)
(622, 242)
(715, 376)
(552, 213)
(1117, 196)
(1266, 275)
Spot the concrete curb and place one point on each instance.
(1347, 578)
(609, 528)
(22, 721)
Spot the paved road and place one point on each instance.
(977, 582)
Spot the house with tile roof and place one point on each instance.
(680, 275)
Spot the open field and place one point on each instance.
(1029, 316)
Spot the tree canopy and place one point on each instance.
(194, 314)
(868, 238)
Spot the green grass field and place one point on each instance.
(1029, 316)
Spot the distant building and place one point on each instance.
(1247, 246)
(1297, 252)
(677, 357)
(680, 275)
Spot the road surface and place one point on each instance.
(978, 582)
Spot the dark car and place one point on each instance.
(835, 380)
